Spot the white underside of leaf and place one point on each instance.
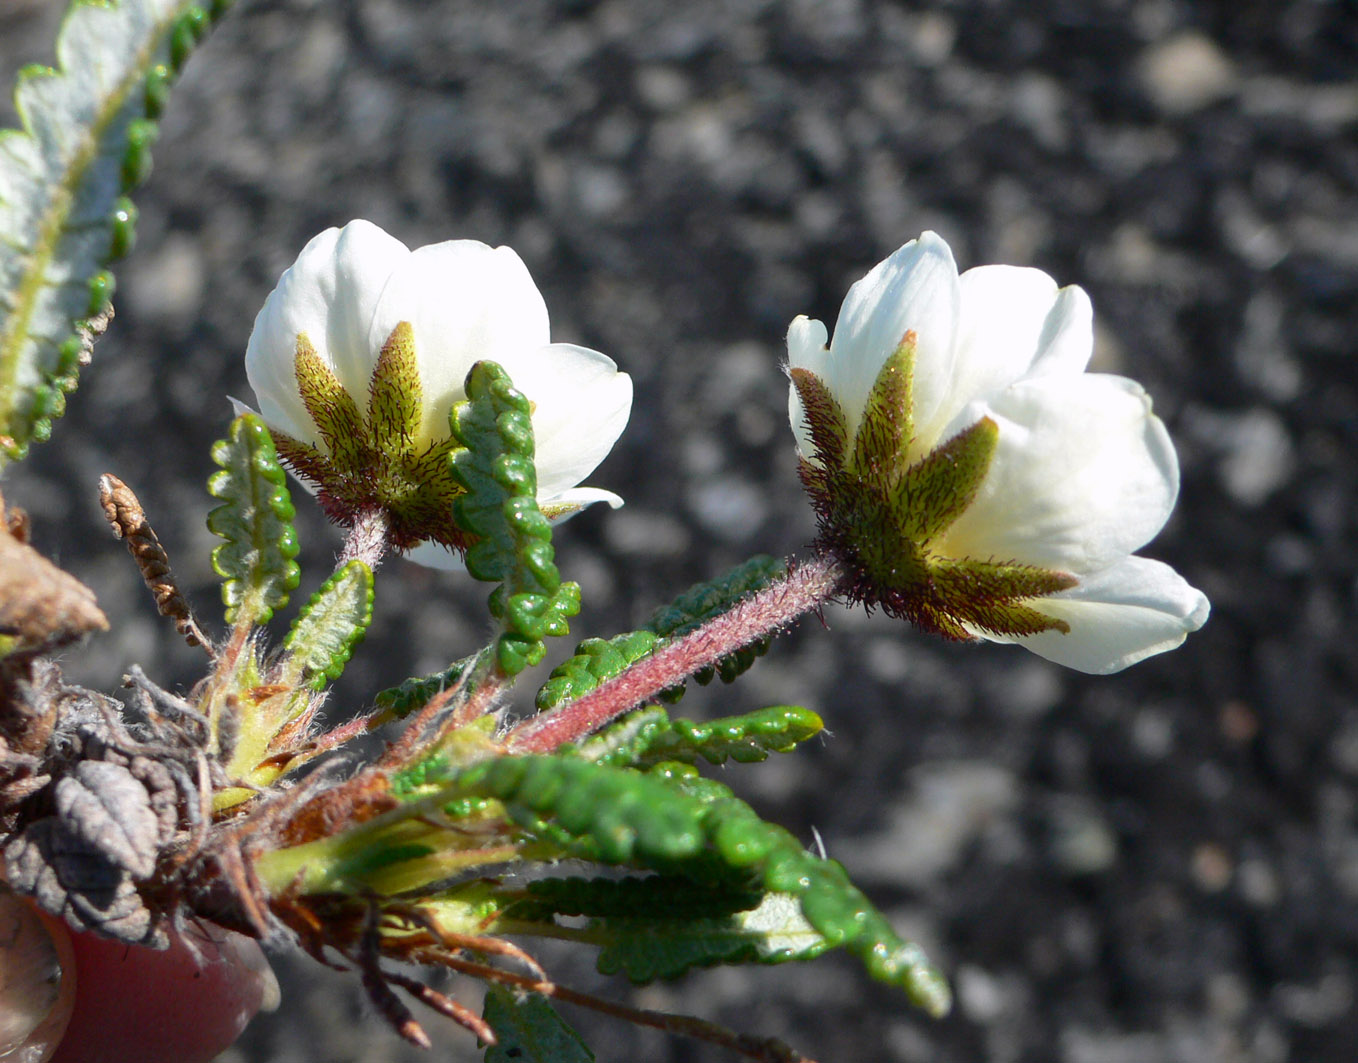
(60, 177)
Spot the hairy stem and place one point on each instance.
(805, 588)
(369, 539)
(762, 1049)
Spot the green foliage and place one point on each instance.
(595, 661)
(672, 821)
(649, 737)
(255, 519)
(622, 816)
(831, 903)
(773, 931)
(652, 897)
(706, 601)
(332, 624)
(413, 694)
(528, 1030)
(88, 125)
(514, 540)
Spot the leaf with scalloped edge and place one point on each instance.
(416, 692)
(649, 736)
(595, 661)
(255, 519)
(673, 821)
(331, 625)
(88, 125)
(513, 539)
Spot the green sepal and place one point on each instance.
(513, 539)
(415, 693)
(335, 620)
(395, 394)
(824, 418)
(528, 1030)
(86, 131)
(938, 488)
(595, 661)
(330, 407)
(256, 560)
(648, 737)
(880, 444)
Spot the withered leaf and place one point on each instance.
(103, 805)
(42, 606)
(68, 879)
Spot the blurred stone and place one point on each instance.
(1187, 72)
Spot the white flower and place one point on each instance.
(1020, 486)
(457, 303)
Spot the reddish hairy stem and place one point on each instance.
(805, 588)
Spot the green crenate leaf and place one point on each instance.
(514, 539)
(255, 518)
(675, 822)
(88, 125)
(649, 736)
(595, 662)
(529, 1030)
(415, 693)
(335, 620)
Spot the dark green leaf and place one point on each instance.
(528, 1030)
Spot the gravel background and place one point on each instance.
(1161, 865)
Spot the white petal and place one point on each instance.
(328, 294)
(434, 555)
(580, 499)
(580, 406)
(466, 302)
(806, 349)
(915, 289)
(1067, 340)
(1011, 318)
(1084, 474)
(1117, 617)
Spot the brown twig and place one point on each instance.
(761, 1049)
(128, 520)
(444, 1005)
(377, 984)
